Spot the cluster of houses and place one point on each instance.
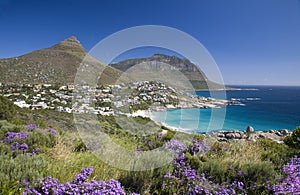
(152, 92)
(38, 96)
(120, 99)
(103, 100)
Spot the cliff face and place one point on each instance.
(183, 65)
(195, 76)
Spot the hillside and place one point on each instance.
(195, 76)
(57, 64)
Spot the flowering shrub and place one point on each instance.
(176, 146)
(32, 127)
(185, 180)
(16, 146)
(197, 169)
(199, 147)
(80, 185)
(27, 141)
(291, 182)
(14, 169)
(50, 130)
(12, 135)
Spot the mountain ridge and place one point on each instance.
(196, 77)
(58, 64)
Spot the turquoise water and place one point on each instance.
(265, 108)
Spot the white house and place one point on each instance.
(21, 104)
(39, 105)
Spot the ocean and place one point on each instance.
(262, 107)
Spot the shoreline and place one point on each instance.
(233, 89)
(224, 135)
(146, 114)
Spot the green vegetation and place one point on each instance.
(195, 76)
(57, 65)
(7, 109)
(63, 154)
(294, 139)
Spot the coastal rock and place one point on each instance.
(285, 132)
(233, 135)
(229, 135)
(222, 139)
(261, 136)
(251, 138)
(238, 135)
(250, 129)
(244, 135)
(221, 134)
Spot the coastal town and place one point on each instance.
(105, 100)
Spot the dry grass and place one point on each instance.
(243, 153)
(60, 151)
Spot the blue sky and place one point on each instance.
(252, 41)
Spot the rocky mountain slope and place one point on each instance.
(195, 76)
(57, 64)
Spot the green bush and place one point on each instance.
(258, 172)
(80, 146)
(22, 167)
(216, 169)
(40, 139)
(7, 109)
(194, 161)
(6, 126)
(145, 182)
(5, 149)
(278, 154)
(251, 174)
(293, 140)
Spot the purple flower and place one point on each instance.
(290, 184)
(35, 151)
(159, 135)
(240, 173)
(16, 146)
(52, 131)
(32, 127)
(176, 146)
(83, 176)
(199, 147)
(12, 135)
(185, 180)
(80, 185)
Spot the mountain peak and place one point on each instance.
(57, 64)
(71, 40)
(160, 55)
(71, 44)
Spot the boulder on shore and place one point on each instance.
(250, 129)
(235, 135)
